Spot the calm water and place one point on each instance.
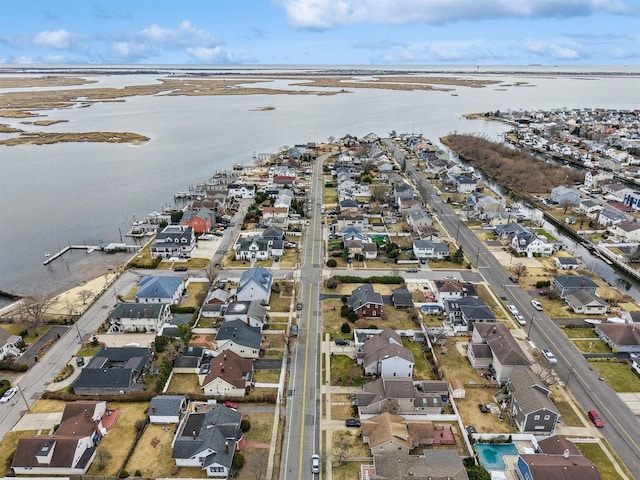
(76, 193)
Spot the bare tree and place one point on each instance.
(84, 295)
(102, 458)
(211, 271)
(34, 308)
(593, 269)
(520, 270)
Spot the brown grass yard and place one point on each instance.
(195, 294)
(340, 412)
(47, 406)
(255, 464)
(261, 426)
(484, 422)
(266, 376)
(279, 303)
(120, 438)
(348, 444)
(345, 371)
(347, 471)
(152, 454)
(184, 383)
(567, 414)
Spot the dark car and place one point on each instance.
(471, 429)
(514, 279)
(79, 361)
(343, 342)
(352, 422)
(180, 268)
(595, 418)
(299, 306)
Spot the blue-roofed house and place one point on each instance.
(255, 284)
(426, 249)
(152, 289)
(167, 408)
(240, 338)
(208, 440)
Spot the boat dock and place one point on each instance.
(109, 248)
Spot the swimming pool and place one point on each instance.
(490, 455)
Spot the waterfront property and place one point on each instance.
(174, 241)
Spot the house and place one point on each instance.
(566, 284)
(156, 289)
(590, 208)
(252, 313)
(465, 183)
(557, 457)
(419, 219)
(165, 409)
(505, 355)
(586, 302)
(279, 214)
(241, 190)
(627, 231)
(214, 303)
(370, 250)
(426, 249)
(635, 362)
(257, 247)
(564, 196)
(239, 337)
(208, 440)
(189, 360)
(403, 191)
(9, 344)
(389, 433)
(402, 396)
(227, 375)
(365, 301)
(401, 298)
(201, 221)
(566, 263)
(255, 284)
(532, 244)
(463, 313)
(594, 178)
(439, 464)
(273, 233)
(114, 371)
(610, 217)
(70, 449)
(620, 337)
(383, 355)
(174, 241)
(451, 289)
(529, 403)
(139, 317)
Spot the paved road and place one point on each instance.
(302, 427)
(622, 427)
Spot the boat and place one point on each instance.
(90, 249)
(592, 321)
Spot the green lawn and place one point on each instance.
(345, 371)
(618, 375)
(592, 346)
(581, 332)
(596, 455)
(421, 369)
(567, 414)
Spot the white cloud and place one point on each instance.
(327, 14)
(58, 39)
(184, 35)
(555, 49)
(454, 52)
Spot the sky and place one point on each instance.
(321, 32)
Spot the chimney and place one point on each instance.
(153, 409)
(194, 434)
(86, 412)
(226, 447)
(145, 312)
(566, 453)
(225, 356)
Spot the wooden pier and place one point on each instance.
(109, 248)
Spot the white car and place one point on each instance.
(8, 395)
(513, 309)
(520, 319)
(315, 463)
(537, 305)
(551, 358)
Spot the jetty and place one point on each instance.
(109, 248)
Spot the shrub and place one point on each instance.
(331, 263)
(245, 425)
(543, 283)
(344, 310)
(352, 316)
(123, 474)
(238, 461)
(333, 283)
(345, 328)
(138, 473)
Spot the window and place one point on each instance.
(536, 417)
(547, 417)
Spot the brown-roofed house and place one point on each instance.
(620, 337)
(228, 375)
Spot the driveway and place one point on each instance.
(29, 356)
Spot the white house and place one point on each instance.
(174, 241)
(531, 244)
(164, 409)
(241, 190)
(384, 355)
(255, 284)
(227, 375)
(627, 231)
(426, 249)
(9, 344)
(156, 289)
(139, 317)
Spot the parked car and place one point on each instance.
(595, 418)
(513, 309)
(471, 429)
(514, 279)
(542, 293)
(8, 395)
(551, 358)
(315, 463)
(537, 305)
(180, 268)
(79, 361)
(411, 270)
(343, 342)
(352, 422)
(520, 319)
(299, 306)
(232, 405)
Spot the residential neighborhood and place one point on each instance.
(369, 301)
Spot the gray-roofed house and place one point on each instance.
(208, 440)
(114, 371)
(213, 304)
(566, 263)
(440, 464)
(239, 337)
(365, 301)
(189, 359)
(427, 249)
(506, 354)
(419, 219)
(226, 375)
(401, 298)
(165, 409)
(174, 241)
(255, 284)
(9, 344)
(586, 302)
(160, 289)
(139, 317)
(566, 284)
(252, 313)
(384, 355)
(621, 337)
(565, 196)
(257, 247)
(529, 403)
(402, 396)
(463, 313)
(70, 449)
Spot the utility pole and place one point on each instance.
(566, 384)
(23, 397)
(533, 318)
